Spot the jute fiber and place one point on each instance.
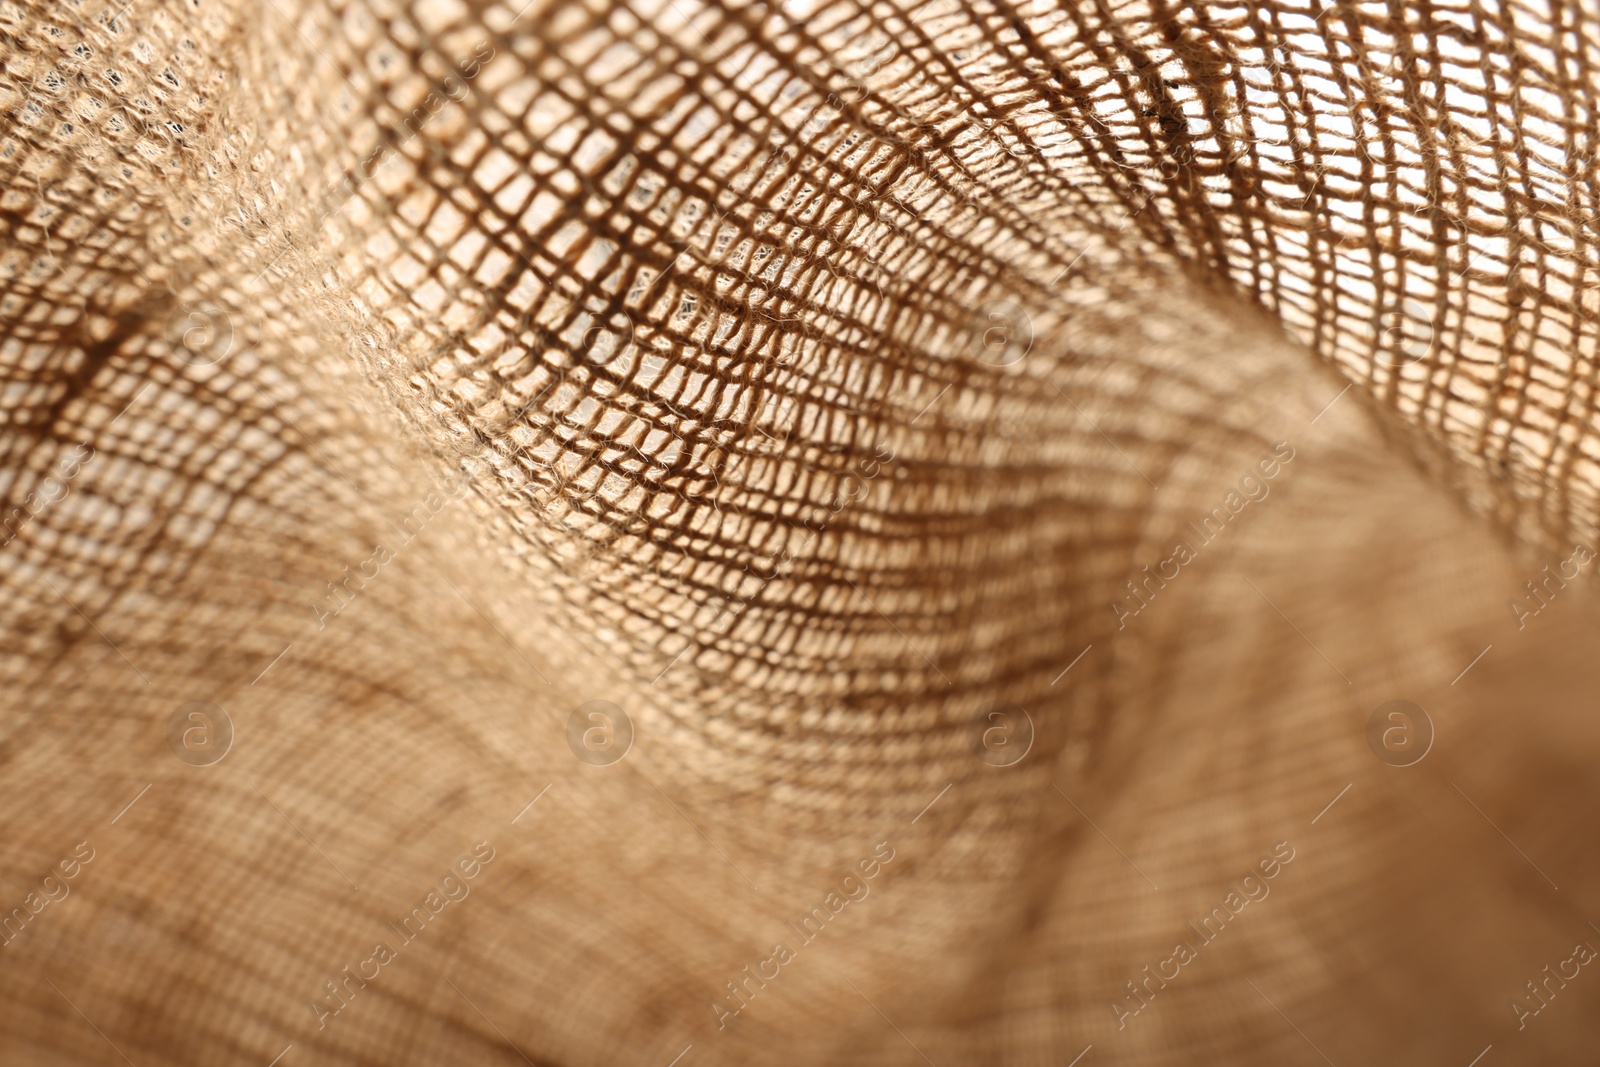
(810, 533)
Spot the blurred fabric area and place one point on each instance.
(826, 532)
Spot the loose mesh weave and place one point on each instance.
(807, 380)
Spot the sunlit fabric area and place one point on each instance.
(702, 533)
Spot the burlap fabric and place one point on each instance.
(990, 461)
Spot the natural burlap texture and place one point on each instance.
(993, 466)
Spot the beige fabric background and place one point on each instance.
(804, 380)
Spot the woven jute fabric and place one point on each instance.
(632, 532)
